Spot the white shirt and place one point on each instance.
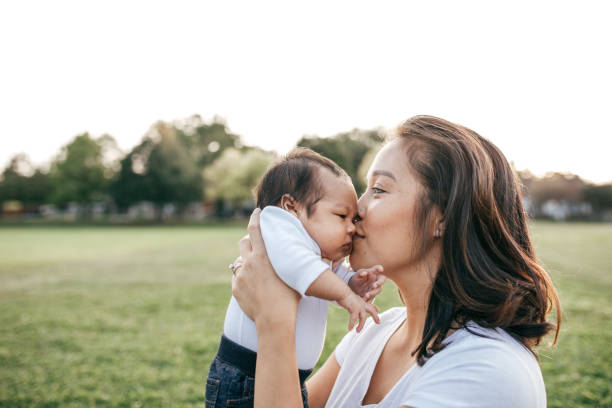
(296, 258)
(471, 371)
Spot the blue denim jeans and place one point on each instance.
(231, 378)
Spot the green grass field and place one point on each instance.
(131, 316)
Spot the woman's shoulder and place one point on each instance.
(474, 337)
(366, 341)
(488, 347)
(488, 362)
(387, 318)
(393, 314)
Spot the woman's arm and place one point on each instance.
(276, 376)
(273, 307)
(321, 383)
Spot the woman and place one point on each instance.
(443, 215)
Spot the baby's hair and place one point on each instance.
(296, 174)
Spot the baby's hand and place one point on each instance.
(367, 283)
(358, 309)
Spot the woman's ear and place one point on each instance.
(288, 203)
(439, 231)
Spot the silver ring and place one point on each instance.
(234, 267)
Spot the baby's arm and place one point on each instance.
(331, 287)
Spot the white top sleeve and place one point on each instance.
(483, 374)
(344, 345)
(295, 256)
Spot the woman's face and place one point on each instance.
(386, 233)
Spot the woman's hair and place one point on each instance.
(295, 174)
(489, 273)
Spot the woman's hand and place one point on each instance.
(262, 295)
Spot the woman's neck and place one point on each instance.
(415, 287)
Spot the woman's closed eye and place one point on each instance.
(377, 190)
(343, 216)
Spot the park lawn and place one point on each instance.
(131, 316)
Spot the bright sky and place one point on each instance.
(535, 77)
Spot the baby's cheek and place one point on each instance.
(331, 246)
(326, 251)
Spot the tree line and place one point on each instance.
(179, 163)
(192, 161)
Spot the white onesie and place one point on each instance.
(296, 258)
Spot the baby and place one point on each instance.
(308, 205)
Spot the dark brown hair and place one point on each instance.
(297, 175)
(489, 273)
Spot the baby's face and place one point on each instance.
(331, 222)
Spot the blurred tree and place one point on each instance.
(205, 142)
(346, 149)
(38, 189)
(160, 169)
(80, 173)
(366, 162)
(234, 175)
(111, 155)
(20, 181)
(130, 185)
(555, 186)
(174, 176)
(13, 183)
(599, 196)
(526, 178)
